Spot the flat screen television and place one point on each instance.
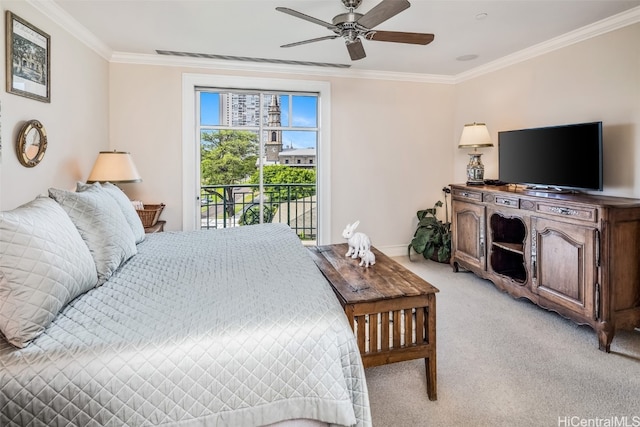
(567, 157)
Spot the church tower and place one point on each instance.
(273, 145)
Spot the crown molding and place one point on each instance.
(51, 9)
(615, 22)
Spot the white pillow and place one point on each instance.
(129, 212)
(102, 226)
(44, 264)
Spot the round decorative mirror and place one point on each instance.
(31, 144)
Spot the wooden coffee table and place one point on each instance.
(392, 311)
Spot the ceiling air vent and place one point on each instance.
(248, 59)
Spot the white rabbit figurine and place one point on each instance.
(367, 258)
(356, 241)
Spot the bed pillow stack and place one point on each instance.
(44, 264)
(124, 203)
(55, 248)
(102, 225)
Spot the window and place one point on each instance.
(192, 82)
(243, 136)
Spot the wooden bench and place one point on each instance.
(392, 311)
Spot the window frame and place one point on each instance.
(191, 153)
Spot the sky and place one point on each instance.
(304, 115)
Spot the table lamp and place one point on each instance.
(115, 167)
(475, 135)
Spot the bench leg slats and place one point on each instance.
(391, 330)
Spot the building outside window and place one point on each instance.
(245, 137)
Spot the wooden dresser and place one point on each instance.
(576, 254)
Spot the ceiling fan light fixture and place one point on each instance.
(353, 26)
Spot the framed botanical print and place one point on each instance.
(28, 59)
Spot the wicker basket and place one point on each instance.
(150, 214)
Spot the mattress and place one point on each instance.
(231, 327)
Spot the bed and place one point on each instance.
(232, 327)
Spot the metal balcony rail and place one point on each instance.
(235, 205)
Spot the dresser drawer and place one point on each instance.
(581, 213)
(467, 194)
(512, 202)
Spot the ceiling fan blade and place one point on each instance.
(400, 37)
(306, 17)
(356, 50)
(382, 11)
(335, 36)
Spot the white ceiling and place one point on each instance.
(255, 29)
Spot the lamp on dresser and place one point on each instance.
(475, 135)
(116, 167)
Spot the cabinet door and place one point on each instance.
(563, 260)
(468, 237)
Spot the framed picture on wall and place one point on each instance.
(28, 59)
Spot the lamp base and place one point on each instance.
(475, 169)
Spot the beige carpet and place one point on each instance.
(506, 362)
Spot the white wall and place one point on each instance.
(390, 155)
(595, 80)
(76, 119)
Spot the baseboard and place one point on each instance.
(394, 250)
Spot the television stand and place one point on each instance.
(575, 254)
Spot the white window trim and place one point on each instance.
(191, 170)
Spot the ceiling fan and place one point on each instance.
(353, 26)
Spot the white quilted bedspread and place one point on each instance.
(231, 327)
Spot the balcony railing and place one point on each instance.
(223, 206)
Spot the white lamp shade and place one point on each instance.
(114, 166)
(475, 135)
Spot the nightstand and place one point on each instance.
(158, 227)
